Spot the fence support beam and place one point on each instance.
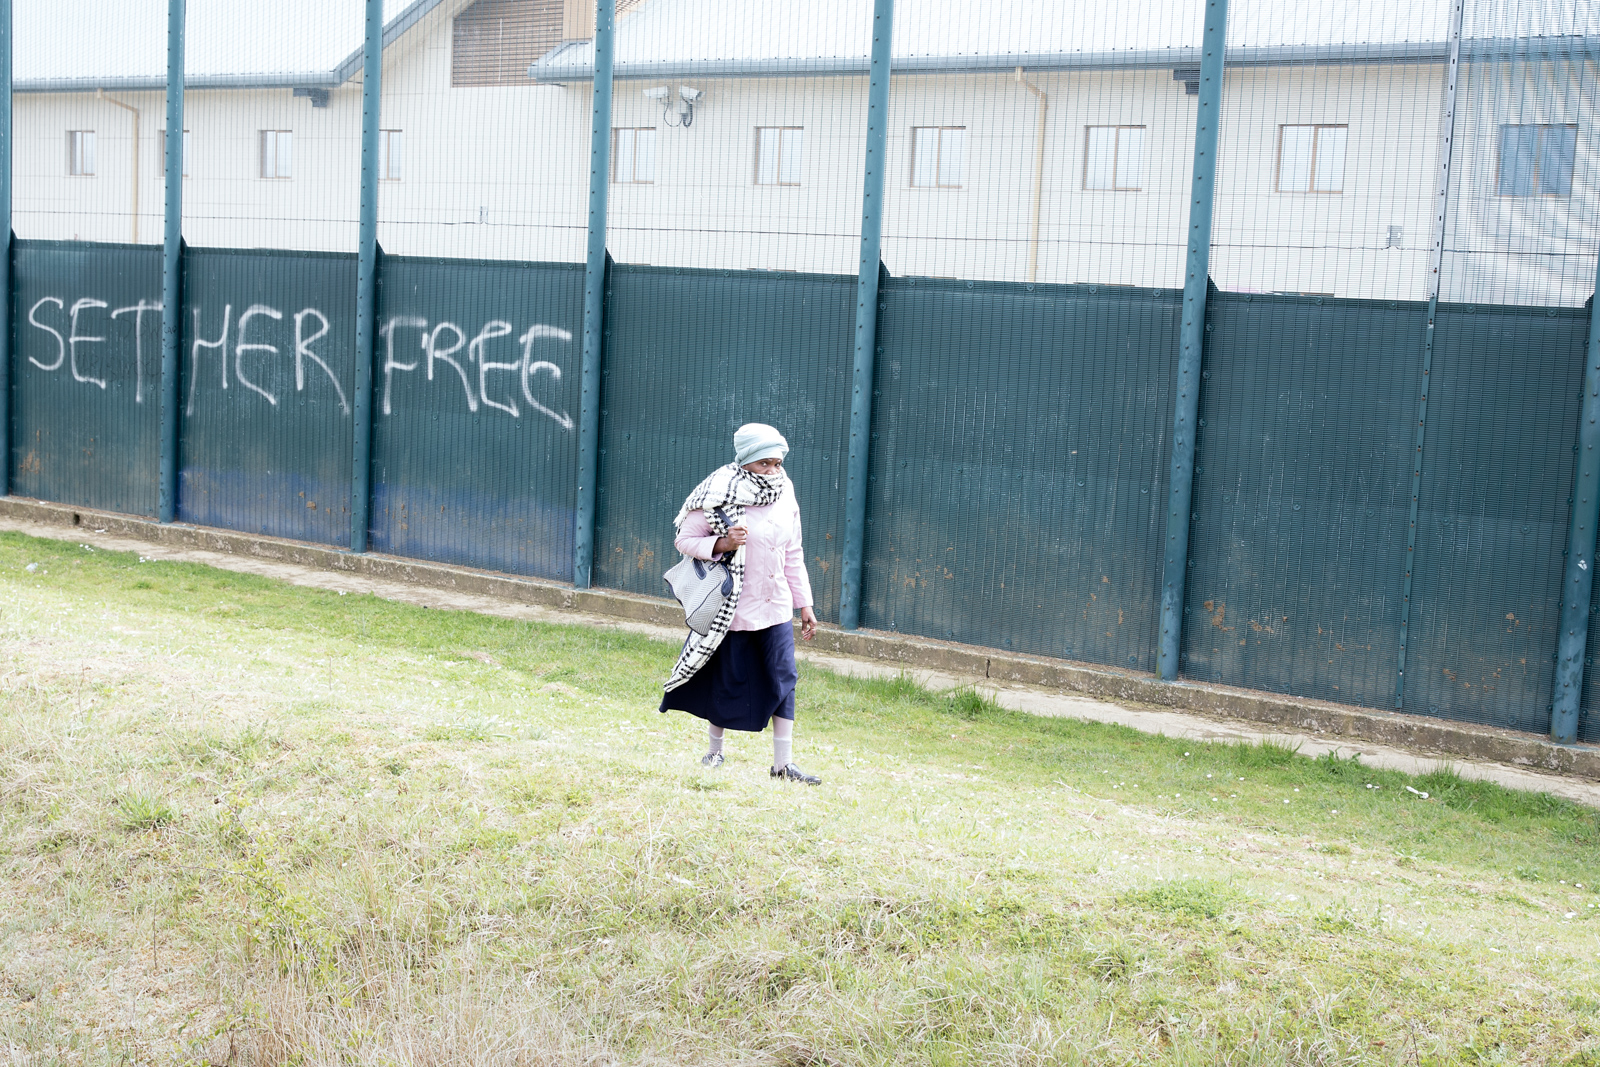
(1579, 579)
(1196, 280)
(366, 279)
(866, 351)
(594, 298)
(6, 237)
(171, 267)
(1447, 133)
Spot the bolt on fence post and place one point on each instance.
(594, 296)
(871, 268)
(1447, 135)
(171, 268)
(1196, 280)
(366, 279)
(1579, 577)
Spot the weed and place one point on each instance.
(1116, 960)
(138, 811)
(1268, 752)
(1192, 898)
(970, 704)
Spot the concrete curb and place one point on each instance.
(1447, 739)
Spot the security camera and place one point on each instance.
(658, 93)
(689, 95)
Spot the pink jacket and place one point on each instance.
(775, 578)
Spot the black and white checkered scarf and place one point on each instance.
(730, 489)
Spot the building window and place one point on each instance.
(936, 156)
(80, 153)
(633, 156)
(1113, 158)
(778, 151)
(1311, 158)
(1537, 160)
(161, 153)
(277, 153)
(389, 155)
(494, 41)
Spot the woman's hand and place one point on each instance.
(735, 539)
(808, 624)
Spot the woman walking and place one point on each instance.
(741, 673)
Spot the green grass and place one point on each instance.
(318, 828)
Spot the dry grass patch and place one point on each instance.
(251, 823)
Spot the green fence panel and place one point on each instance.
(475, 393)
(268, 364)
(690, 355)
(1589, 697)
(1492, 529)
(1301, 498)
(1019, 466)
(86, 374)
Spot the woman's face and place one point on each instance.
(765, 466)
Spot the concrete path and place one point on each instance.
(1032, 699)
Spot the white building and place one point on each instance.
(1045, 140)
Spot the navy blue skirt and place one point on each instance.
(748, 681)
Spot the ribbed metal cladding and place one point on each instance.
(1502, 427)
(1301, 495)
(474, 459)
(86, 415)
(1019, 466)
(265, 434)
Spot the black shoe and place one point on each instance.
(713, 760)
(791, 773)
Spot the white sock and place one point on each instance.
(715, 733)
(782, 747)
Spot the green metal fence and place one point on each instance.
(473, 457)
(86, 374)
(1360, 460)
(268, 355)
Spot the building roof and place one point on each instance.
(77, 45)
(725, 38)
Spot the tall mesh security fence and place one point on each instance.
(482, 215)
(734, 213)
(1321, 257)
(1517, 272)
(270, 207)
(1033, 234)
(87, 266)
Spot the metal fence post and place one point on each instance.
(1436, 271)
(1196, 279)
(594, 295)
(366, 279)
(6, 236)
(866, 351)
(1579, 579)
(171, 268)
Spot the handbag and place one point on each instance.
(701, 587)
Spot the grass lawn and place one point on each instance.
(241, 819)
